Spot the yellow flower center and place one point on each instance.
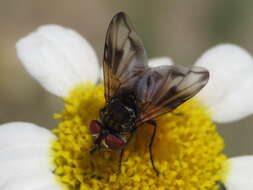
(187, 149)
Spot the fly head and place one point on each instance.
(103, 139)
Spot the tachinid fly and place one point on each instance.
(135, 93)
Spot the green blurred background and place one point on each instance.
(182, 30)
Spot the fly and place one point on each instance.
(135, 93)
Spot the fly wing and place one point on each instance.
(162, 89)
(124, 56)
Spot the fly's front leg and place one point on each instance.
(120, 160)
(122, 151)
(153, 123)
(93, 149)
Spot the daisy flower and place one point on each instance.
(187, 148)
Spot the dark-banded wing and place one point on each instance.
(124, 56)
(162, 89)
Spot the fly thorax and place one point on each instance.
(118, 117)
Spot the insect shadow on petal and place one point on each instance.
(135, 93)
(220, 185)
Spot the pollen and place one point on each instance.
(187, 149)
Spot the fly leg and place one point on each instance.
(93, 149)
(153, 123)
(122, 151)
(96, 144)
(120, 160)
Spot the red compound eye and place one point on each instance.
(95, 127)
(114, 142)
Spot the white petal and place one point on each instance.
(240, 176)
(155, 62)
(37, 181)
(229, 91)
(25, 161)
(59, 58)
